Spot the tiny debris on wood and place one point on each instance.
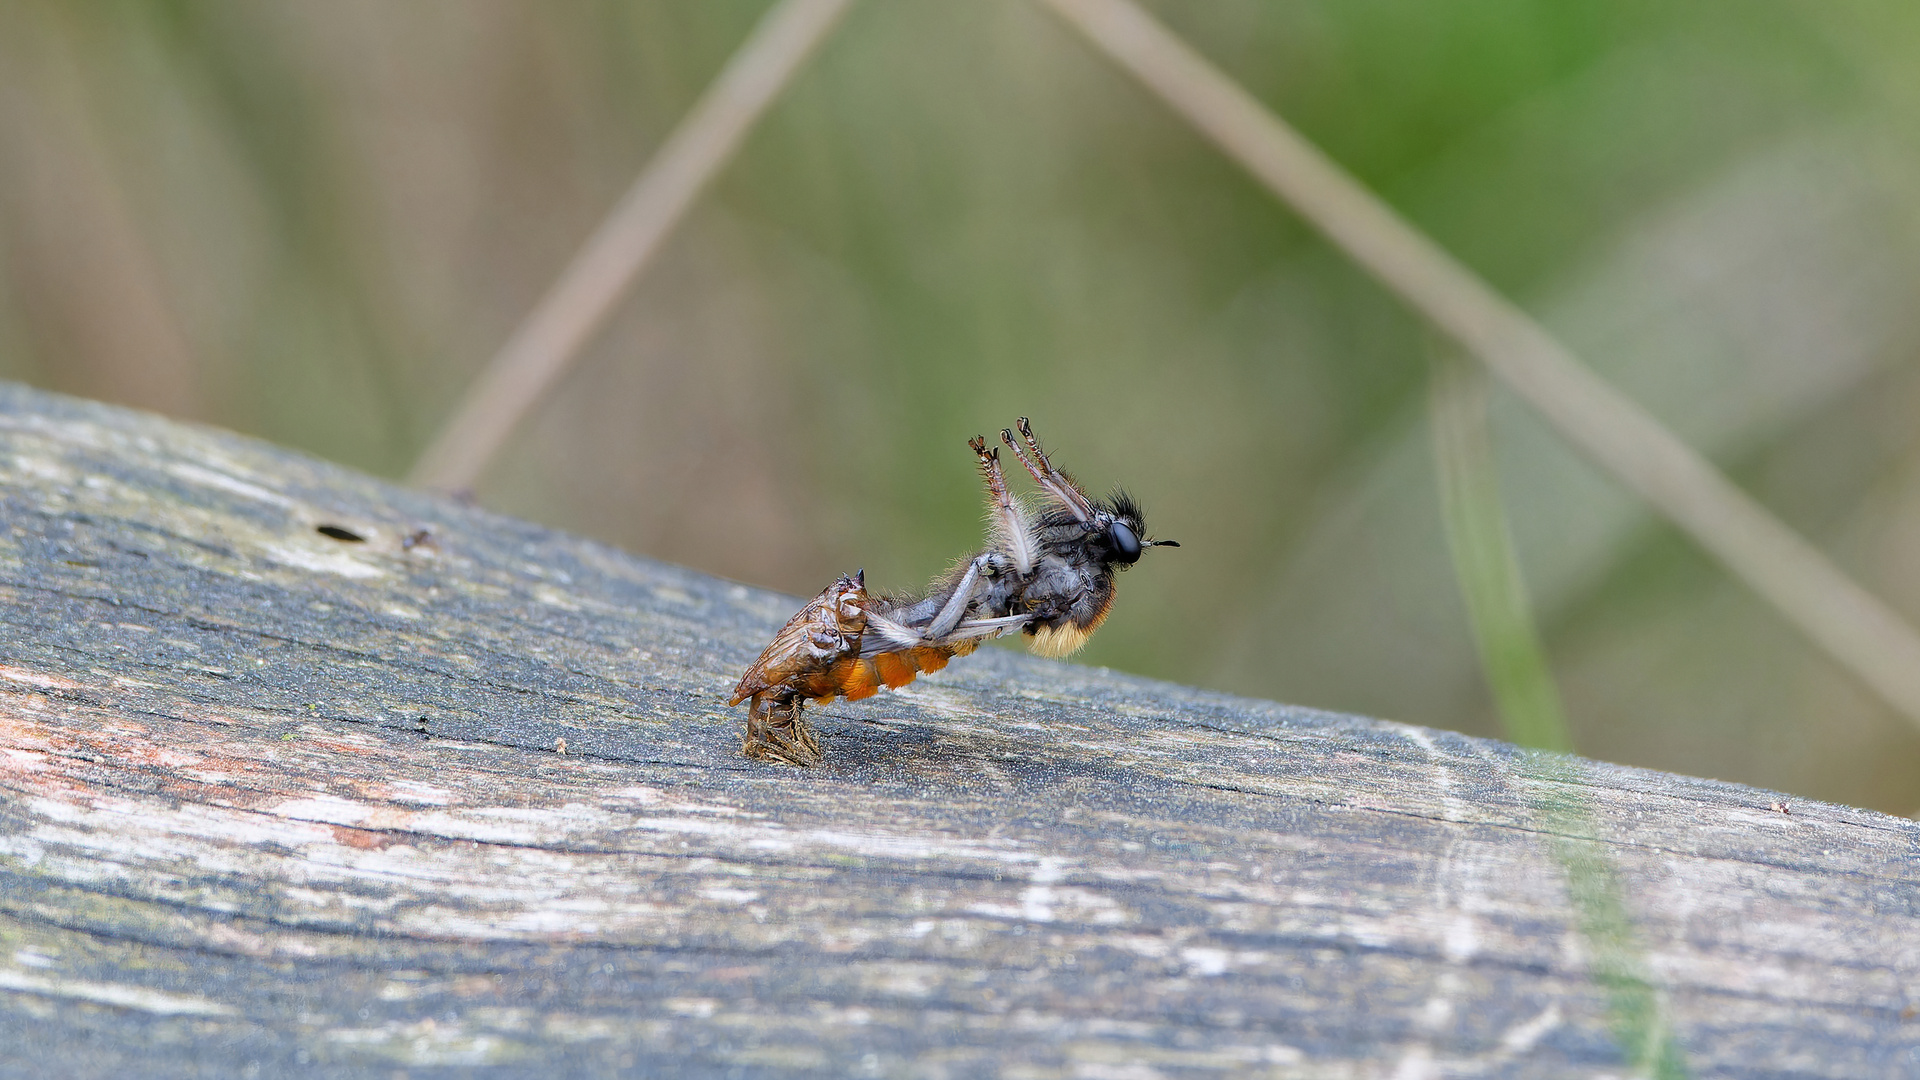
(1015, 867)
(1778, 807)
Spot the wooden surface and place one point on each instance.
(273, 803)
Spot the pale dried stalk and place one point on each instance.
(547, 341)
(1857, 630)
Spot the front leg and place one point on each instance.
(1009, 531)
(1051, 480)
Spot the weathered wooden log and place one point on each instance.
(303, 773)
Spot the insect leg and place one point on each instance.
(973, 628)
(1010, 530)
(890, 636)
(1051, 481)
(956, 605)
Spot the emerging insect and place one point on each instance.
(1047, 573)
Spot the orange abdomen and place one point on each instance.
(858, 677)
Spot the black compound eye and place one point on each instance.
(1126, 546)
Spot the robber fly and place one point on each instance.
(1047, 572)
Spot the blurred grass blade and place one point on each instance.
(1530, 707)
(1855, 628)
(1484, 563)
(579, 302)
(1636, 1008)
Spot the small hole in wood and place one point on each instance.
(338, 533)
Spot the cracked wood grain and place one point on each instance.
(274, 802)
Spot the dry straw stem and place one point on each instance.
(567, 316)
(1853, 627)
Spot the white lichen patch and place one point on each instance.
(232, 485)
(35, 678)
(318, 560)
(553, 597)
(427, 1042)
(668, 594)
(119, 995)
(413, 791)
(47, 470)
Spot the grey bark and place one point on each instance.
(273, 802)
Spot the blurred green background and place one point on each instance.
(314, 222)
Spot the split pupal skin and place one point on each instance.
(1047, 573)
(797, 667)
(776, 731)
